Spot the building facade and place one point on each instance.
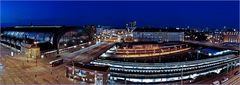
(47, 38)
(91, 74)
(158, 36)
(231, 37)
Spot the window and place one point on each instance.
(16, 34)
(40, 37)
(32, 35)
(8, 33)
(21, 35)
(11, 34)
(47, 37)
(27, 34)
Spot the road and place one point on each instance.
(211, 44)
(92, 53)
(5, 51)
(68, 50)
(70, 56)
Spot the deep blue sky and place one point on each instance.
(212, 14)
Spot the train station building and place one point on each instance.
(41, 39)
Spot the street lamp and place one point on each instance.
(35, 44)
(12, 53)
(74, 46)
(198, 53)
(182, 75)
(42, 56)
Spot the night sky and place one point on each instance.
(212, 14)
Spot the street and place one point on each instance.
(212, 45)
(92, 53)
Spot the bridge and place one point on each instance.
(88, 54)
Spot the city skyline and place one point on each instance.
(120, 42)
(196, 14)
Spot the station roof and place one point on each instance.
(208, 50)
(46, 36)
(215, 52)
(40, 28)
(37, 26)
(150, 42)
(90, 66)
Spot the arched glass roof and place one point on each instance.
(40, 37)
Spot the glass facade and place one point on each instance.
(159, 36)
(73, 38)
(39, 37)
(46, 39)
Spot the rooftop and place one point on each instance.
(158, 30)
(90, 66)
(37, 26)
(40, 28)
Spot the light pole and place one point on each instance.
(25, 42)
(182, 75)
(73, 71)
(198, 51)
(124, 69)
(227, 67)
(35, 44)
(15, 43)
